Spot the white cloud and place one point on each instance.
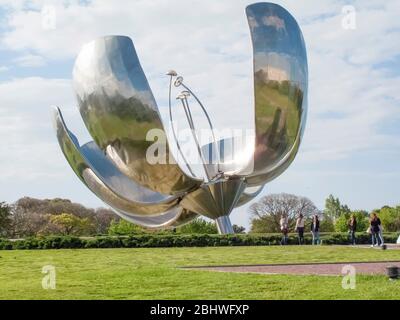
(28, 143)
(29, 60)
(4, 69)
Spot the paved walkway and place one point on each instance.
(389, 246)
(308, 269)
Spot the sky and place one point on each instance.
(351, 145)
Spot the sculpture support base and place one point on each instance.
(224, 225)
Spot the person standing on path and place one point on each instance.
(284, 225)
(352, 229)
(380, 234)
(315, 230)
(300, 228)
(375, 229)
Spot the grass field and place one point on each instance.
(153, 274)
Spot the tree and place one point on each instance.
(54, 206)
(342, 223)
(334, 209)
(68, 223)
(102, 220)
(122, 227)
(200, 226)
(31, 217)
(390, 218)
(27, 224)
(267, 213)
(265, 224)
(326, 224)
(5, 218)
(238, 229)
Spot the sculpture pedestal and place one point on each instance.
(224, 225)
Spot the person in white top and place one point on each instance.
(300, 228)
(284, 224)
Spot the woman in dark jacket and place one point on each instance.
(315, 230)
(353, 229)
(375, 228)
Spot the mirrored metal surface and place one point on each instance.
(224, 225)
(231, 155)
(119, 110)
(214, 199)
(119, 182)
(105, 181)
(249, 194)
(173, 219)
(278, 169)
(280, 89)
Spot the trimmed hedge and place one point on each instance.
(188, 240)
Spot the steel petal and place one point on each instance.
(280, 87)
(119, 110)
(173, 218)
(105, 181)
(214, 199)
(249, 194)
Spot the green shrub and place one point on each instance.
(5, 244)
(342, 222)
(179, 240)
(123, 227)
(198, 226)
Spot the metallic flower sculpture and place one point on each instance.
(118, 108)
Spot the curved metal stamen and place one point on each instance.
(178, 83)
(183, 97)
(172, 74)
(211, 128)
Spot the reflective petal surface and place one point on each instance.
(104, 180)
(119, 182)
(119, 110)
(214, 199)
(249, 194)
(280, 88)
(172, 219)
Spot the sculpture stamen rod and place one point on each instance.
(118, 109)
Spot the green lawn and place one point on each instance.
(153, 274)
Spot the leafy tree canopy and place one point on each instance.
(5, 218)
(266, 213)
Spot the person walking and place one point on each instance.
(300, 228)
(284, 225)
(375, 229)
(380, 234)
(352, 229)
(315, 230)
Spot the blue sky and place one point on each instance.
(351, 146)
